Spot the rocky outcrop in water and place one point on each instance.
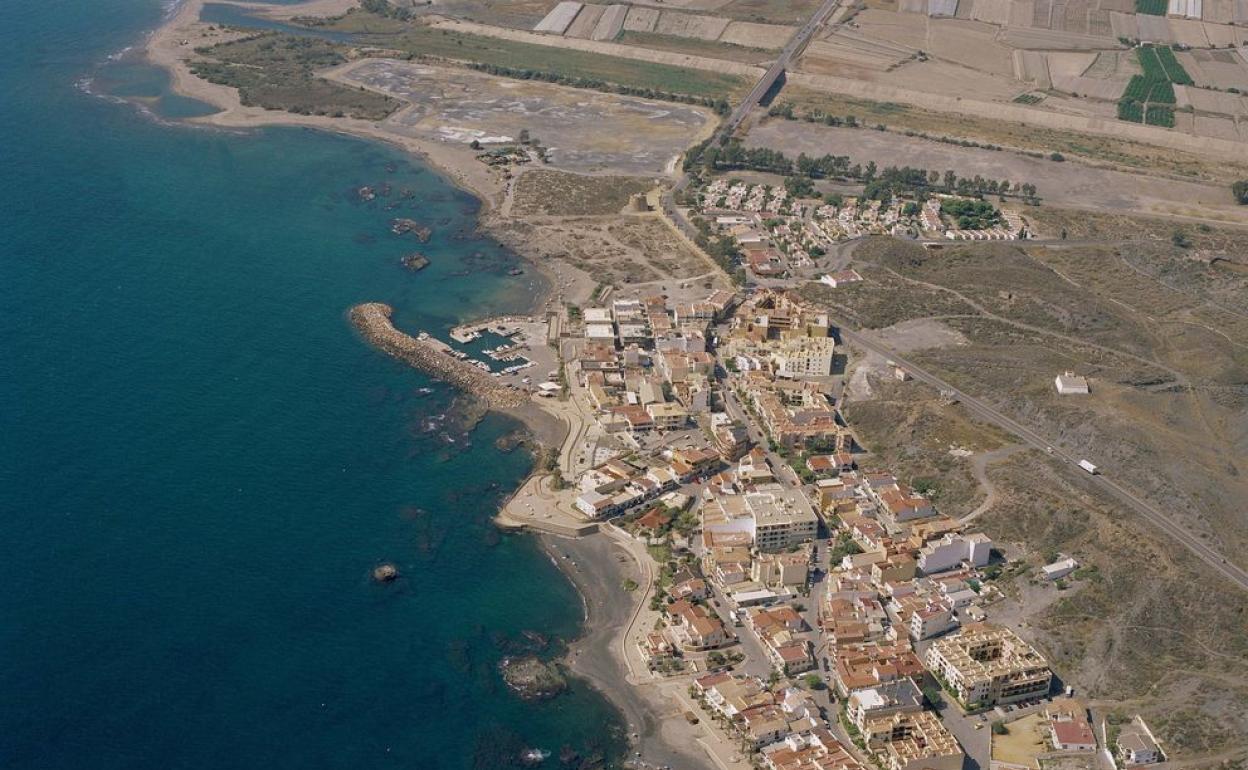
(415, 262)
(410, 226)
(533, 678)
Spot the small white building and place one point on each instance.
(1071, 384)
(1059, 569)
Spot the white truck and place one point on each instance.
(1087, 466)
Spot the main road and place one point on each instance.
(1148, 511)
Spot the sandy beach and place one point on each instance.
(598, 565)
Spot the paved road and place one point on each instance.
(1151, 513)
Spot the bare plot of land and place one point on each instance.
(1209, 125)
(1058, 183)
(1219, 69)
(631, 135)
(614, 250)
(641, 19)
(756, 35)
(586, 21)
(1055, 40)
(1032, 67)
(1218, 102)
(544, 192)
(690, 25)
(992, 11)
(1224, 35)
(906, 30)
(1154, 28)
(1189, 32)
(1124, 25)
(559, 18)
(954, 80)
(611, 23)
(972, 44)
(1069, 71)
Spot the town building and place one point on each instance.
(897, 696)
(953, 550)
(985, 665)
(914, 740)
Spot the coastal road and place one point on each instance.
(1148, 511)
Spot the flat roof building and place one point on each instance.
(985, 665)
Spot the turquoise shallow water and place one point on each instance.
(201, 463)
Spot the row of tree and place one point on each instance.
(884, 185)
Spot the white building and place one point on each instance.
(1071, 384)
(953, 549)
(805, 357)
(1059, 569)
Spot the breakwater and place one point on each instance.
(372, 319)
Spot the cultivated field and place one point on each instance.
(633, 136)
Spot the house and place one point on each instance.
(1071, 384)
(1069, 728)
(693, 627)
(1137, 746)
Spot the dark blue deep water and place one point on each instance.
(200, 463)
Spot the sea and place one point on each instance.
(201, 463)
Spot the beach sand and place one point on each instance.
(598, 566)
(663, 736)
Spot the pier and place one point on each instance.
(433, 357)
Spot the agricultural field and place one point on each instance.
(1149, 97)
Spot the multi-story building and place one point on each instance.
(804, 357)
(775, 518)
(913, 740)
(872, 703)
(985, 665)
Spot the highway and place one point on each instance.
(1124, 495)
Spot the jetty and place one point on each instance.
(433, 357)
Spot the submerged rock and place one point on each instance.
(384, 573)
(415, 262)
(405, 226)
(532, 678)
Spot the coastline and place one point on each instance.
(598, 566)
(596, 655)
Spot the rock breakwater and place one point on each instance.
(372, 319)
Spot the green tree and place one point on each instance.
(1240, 189)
